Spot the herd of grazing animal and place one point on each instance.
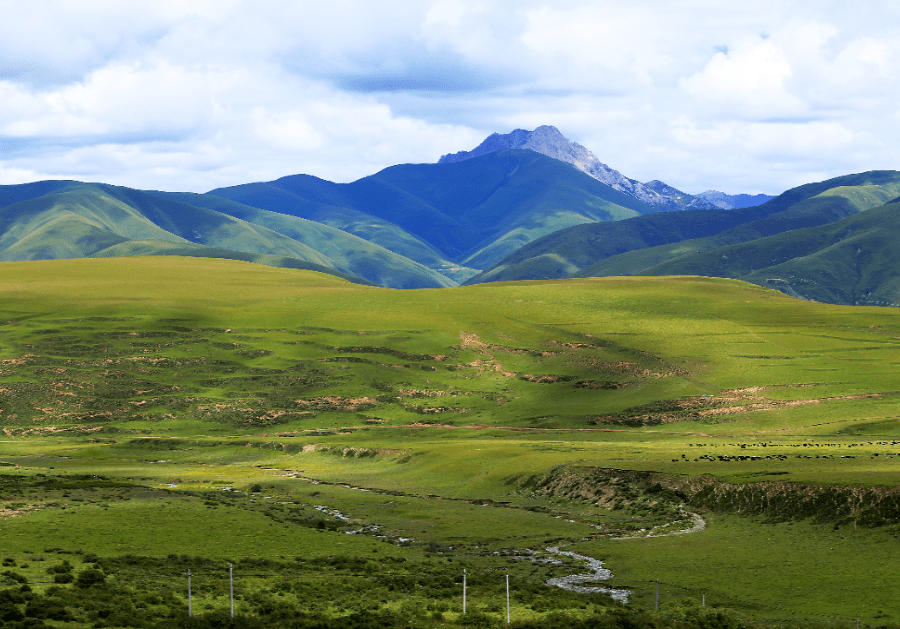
(782, 457)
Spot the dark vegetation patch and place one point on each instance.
(387, 351)
(433, 410)
(786, 501)
(608, 385)
(704, 408)
(547, 378)
(331, 592)
(17, 483)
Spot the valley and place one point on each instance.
(350, 450)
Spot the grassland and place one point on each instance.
(161, 415)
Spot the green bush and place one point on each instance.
(11, 578)
(10, 613)
(89, 578)
(48, 609)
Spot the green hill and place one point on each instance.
(472, 213)
(852, 261)
(633, 246)
(51, 220)
(377, 232)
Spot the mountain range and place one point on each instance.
(522, 206)
(831, 241)
(409, 226)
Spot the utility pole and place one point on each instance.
(231, 587)
(704, 600)
(464, 591)
(657, 594)
(507, 600)
(190, 610)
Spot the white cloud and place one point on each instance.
(747, 82)
(196, 95)
(463, 27)
(12, 176)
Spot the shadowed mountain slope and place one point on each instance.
(25, 191)
(854, 261)
(75, 220)
(629, 247)
(472, 213)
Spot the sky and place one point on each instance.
(749, 97)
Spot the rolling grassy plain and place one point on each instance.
(161, 415)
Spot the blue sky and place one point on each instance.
(738, 97)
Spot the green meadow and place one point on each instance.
(351, 450)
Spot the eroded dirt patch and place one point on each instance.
(700, 408)
(338, 403)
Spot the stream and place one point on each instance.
(571, 582)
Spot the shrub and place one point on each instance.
(11, 578)
(90, 577)
(62, 568)
(42, 608)
(10, 613)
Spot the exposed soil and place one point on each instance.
(337, 403)
(708, 407)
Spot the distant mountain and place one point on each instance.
(455, 217)
(733, 201)
(853, 261)
(653, 244)
(438, 224)
(53, 220)
(547, 140)
(680, 200)
(516, 213)
(808, 206)
(709, 200)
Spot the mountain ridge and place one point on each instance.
(631, 246)
(741, 244)
(79, 220)
(504, 215)
(548, 140)
(471, 213)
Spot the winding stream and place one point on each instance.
(572, 582)
(599, 573)
(697, 525)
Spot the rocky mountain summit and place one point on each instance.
(678, 199)
(734, 201)
(548, 141)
